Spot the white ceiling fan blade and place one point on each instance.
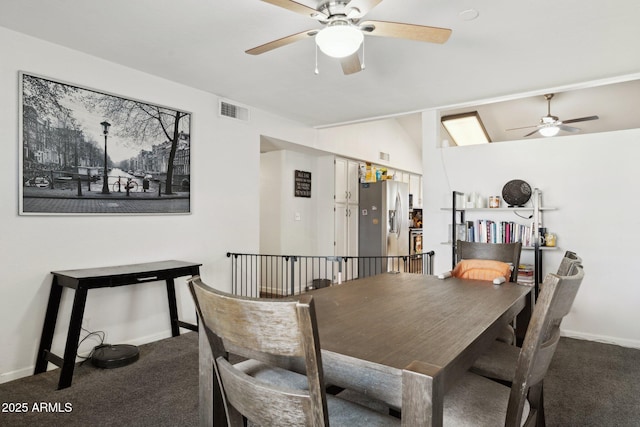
(351, 64)
(298, 8)
(531, 133)
(420, 33)
(522, 127)
(281, 42)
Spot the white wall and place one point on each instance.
(289, 224)
(270, 202)
(225, 176)
(590, 179)
(365, 141)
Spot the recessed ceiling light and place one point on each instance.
(469, 14)
(465, 128)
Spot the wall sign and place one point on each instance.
(302, 184)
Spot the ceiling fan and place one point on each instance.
(343, 33)
(551, 125)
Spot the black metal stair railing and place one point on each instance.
(277, 276)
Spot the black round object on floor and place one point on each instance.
(516, 192)
(114, 356)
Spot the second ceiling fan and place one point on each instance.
(550, 125)
(343, 31)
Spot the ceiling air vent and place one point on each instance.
(227, 109)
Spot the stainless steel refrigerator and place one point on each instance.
(383, 226)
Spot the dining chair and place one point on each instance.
(500, 362)
(270, 332)
(475, 400)
(505, 252)
(568, 259)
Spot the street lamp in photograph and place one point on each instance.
(105, 179)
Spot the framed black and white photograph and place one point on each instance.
(83, 151)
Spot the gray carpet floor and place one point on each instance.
(160, 389)
(593, 384)
(588, 384)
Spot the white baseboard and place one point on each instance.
(606, 339)
(14, 375)
(25, 372)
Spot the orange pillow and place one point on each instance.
(482, 269)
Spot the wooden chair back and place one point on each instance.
(505, 252)
(568, 259)
(273, 329)
(554, 302)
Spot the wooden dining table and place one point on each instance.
(402, 338)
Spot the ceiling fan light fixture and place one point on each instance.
(339, 40)
(549, 130)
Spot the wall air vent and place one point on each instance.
(233, 111)
(384, 156)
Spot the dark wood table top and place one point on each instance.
(394, 319)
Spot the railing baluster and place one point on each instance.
(293, 277)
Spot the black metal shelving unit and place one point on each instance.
(458, 218)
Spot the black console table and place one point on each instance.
(105, 277)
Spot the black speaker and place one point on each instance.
(516, 192)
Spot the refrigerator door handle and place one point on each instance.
(399, 214)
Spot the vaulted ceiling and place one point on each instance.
(511, 47)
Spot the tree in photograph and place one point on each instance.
(45, 96)
(141, 122)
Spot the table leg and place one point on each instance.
(173, 307)
(49, 326)
(73, 336)
(422, 395)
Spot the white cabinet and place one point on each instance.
(347, 182)
(346, 229)
(346, 236)
(401, 176)
(347, 173)
(415, 186)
